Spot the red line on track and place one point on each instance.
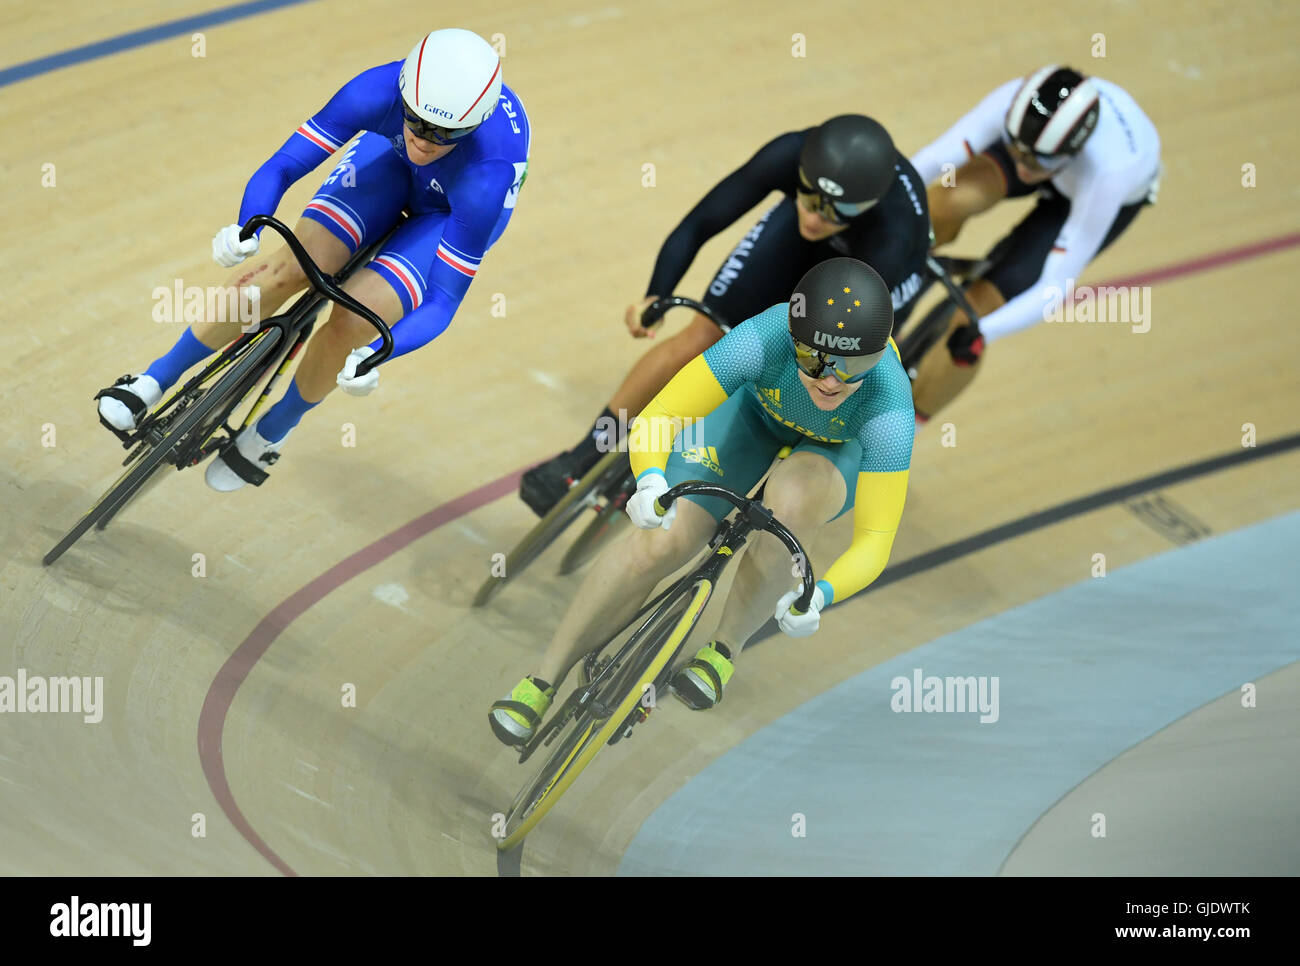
(221, 693)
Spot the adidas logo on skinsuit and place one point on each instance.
(706, 456)
(773, 396)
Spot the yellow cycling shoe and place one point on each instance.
(515, 717)
(699, 684)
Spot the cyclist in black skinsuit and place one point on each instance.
(847, 192)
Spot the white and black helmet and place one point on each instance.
(1054, 113)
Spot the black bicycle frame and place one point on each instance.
(724, 546)
(299, 318)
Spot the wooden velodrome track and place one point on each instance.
(152, 147)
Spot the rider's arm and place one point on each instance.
(360, 104)
(705, 383)
(691, 394)
(1091, 215)
(980, 184)
(877, 509)
(969, 136)
(771, 169)
(886, 439)
(477, 207)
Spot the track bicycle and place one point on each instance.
(196, 420)
(617, 690)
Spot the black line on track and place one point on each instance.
(508, 863)
(1056, 514)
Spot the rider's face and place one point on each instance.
(813, 226)
(828, 392)
(421, 151)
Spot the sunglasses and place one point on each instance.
(436, 133)
(819, 203)
(818, 365)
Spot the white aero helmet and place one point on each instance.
(450, 84)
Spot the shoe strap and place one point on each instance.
(128, 399)
(698, 664)
(505, 704)
(242, 466)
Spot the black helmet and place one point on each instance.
(849, 161)
(1054, 113)
(841, 315)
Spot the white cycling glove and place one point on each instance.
(800, 625)
(348, 380)
(228, 251)
(641, 506)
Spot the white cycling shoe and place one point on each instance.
(129, 398)
(247, 461)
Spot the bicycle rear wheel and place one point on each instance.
(594, 722)
(142, 467)
(580, 497)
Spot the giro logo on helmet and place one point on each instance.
(842, 342)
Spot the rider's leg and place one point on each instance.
(804, 491)
(361, 199)
(346, 206)
(740, 448)
(278, 276)
(939, 379)
(259, 444)
(618, 584)
(328, 350)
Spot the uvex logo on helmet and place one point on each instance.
(843, 343)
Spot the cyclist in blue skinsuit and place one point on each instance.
(444, 140)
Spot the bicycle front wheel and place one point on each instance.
(599, 533)
(143, 467)
(582, 737)
(574, 503)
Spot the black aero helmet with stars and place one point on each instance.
(841, 315)
(849, 161)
